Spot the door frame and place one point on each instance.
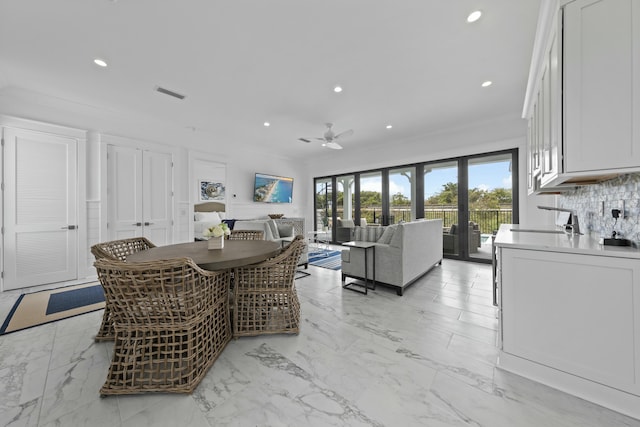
(83, 250)
(105, 141)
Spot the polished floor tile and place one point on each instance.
(424, 359)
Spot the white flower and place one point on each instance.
(219, 230)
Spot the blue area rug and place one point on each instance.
(68, 300)
(38, 308)
(326, 259)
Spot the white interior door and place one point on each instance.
(40, 217)
(140, 194)
(157, 197)
(124, 192)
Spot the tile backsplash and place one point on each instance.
(588, 202)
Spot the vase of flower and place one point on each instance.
(216, 242)
(216, 235)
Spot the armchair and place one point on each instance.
(450, 240)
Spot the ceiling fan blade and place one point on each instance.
(333, 145)
(344, 134)
(307, 140)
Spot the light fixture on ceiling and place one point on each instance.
(266, 124)
(100, 62)
(170, 92)
(474, 16)
(487, 83)
(389, 126)
(337, 89)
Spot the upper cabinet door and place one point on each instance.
(601, 84)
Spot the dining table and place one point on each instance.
(235, 253)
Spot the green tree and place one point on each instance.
(399, 199)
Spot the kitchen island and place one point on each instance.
(570, 314)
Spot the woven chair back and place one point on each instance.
(246, 235)
(172, 312)
(265, 299)
(121, 249)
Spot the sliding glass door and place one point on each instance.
(490, 194)
(473, 195)
(371, 197)
(441, 201)
(402, 194)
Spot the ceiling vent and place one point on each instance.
(170, 92)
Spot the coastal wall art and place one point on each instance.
(210, 190)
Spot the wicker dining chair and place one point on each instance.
(121, 249)
(117, 250)
(265, 299)
(246, 235)
(171, 320)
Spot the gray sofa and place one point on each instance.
(281, 230)
(404, 252)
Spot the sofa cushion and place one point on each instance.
(274, 229)
(285, 230)
(349, 223)
(387, 234)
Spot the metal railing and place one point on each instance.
(488, 220)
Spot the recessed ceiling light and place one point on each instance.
(487, 83)
(267, 124)
(100, 62)
(474, 16)
(389, 126)
(337, 89)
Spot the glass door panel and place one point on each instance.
(441, 201)
(345, 207)
(490, 200)
(371, 197)
(324, 210)
(402, 190)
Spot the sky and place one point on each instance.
(486, 176)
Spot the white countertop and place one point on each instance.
(588, 244)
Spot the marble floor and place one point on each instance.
(424, 359)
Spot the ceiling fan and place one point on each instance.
(329, 138)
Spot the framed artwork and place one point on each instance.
(210, 190)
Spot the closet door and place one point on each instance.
(140, 196)
(157, 197)
(40, 217)
(124, 192)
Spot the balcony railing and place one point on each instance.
(487, 219)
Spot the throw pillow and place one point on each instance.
(212, 217)
(396, 239)
(387, 235)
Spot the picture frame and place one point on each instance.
(211, 190)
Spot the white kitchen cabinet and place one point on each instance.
(586, 76)
(545, 120)
(570, 315)
(602, 85)
(579, 314)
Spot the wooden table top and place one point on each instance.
(236, 253)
